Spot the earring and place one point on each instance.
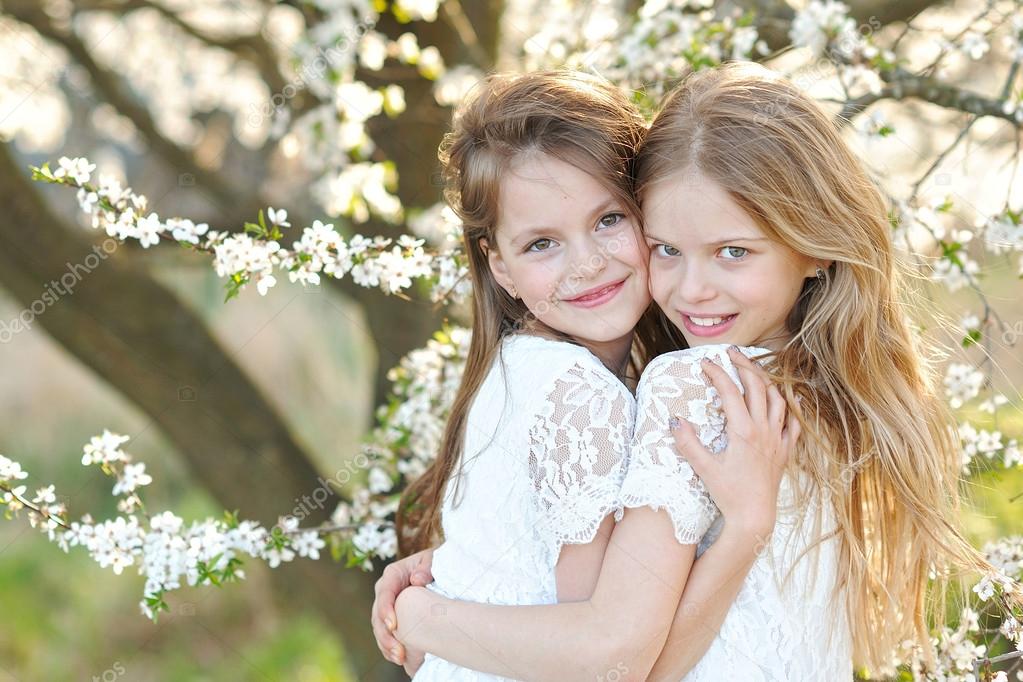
(820, 275)
(514, 292)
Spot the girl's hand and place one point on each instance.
(745, 477)
(412, 570)
(413, 659)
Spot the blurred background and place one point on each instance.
(216, 109)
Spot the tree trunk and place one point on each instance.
(142, 340)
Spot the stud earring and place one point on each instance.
(820, 275)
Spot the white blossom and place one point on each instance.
(820, 23)
(962, 383)
(308, 544)
(149, 229)
(278, 217)
(184, 230)
(77, 169)
(10, 470)
(132, 476)
(452, 87)
(975, 45)
(379, 481)
(104, 449)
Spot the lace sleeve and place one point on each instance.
(578, 449)
(657, 477)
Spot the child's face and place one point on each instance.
(568, 250)
(713, 272)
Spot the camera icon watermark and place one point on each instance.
(1013, 334)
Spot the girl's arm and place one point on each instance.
(624, 625)
(713, 585)
(719, 573)
(621, 627)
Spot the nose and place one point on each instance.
(587, 264)
(694, 285)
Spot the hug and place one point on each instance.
(695, 437)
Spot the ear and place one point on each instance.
(812, 265)
(498, 268)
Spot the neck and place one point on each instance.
(614, 354)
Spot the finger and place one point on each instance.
(389, 646)
(421, 578)
(689, 447)
(732, 402)
(776, 408)
(383, 609)
(754, 393)
(740, 359)
(790, 437)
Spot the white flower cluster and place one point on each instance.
(166, 551)
(1003, 233)
(819, 25)
(118, 210)
(331, 139)
(954, 268)
(406, 439)
(981, 442)
(668, 38)
(391, 265)
(962, 383)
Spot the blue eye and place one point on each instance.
(665, 250)
(734, 252)
(540, 245)
(611, 219)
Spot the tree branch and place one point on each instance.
(902, 85)
(137, 336)
(251, 47)
(774, 17)
(110, 87)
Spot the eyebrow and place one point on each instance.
(721, 242)
(538, 230)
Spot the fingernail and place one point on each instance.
(674, 423)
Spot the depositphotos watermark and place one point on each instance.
(56, 289)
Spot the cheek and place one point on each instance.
(630, 248)
(661, 280)
(534, 280)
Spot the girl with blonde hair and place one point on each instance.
(533, 457)
(765, 231)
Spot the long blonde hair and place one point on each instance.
(581, 120)
(881, 443)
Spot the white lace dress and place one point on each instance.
(545, 454)
(773, 632)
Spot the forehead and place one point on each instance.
(539, 189)
(689, 201)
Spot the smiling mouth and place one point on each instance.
(597, 293)
(708, 321)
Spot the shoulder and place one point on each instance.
(549, 367)
(685, 363)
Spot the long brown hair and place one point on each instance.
(881, 442)
(577, 118)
